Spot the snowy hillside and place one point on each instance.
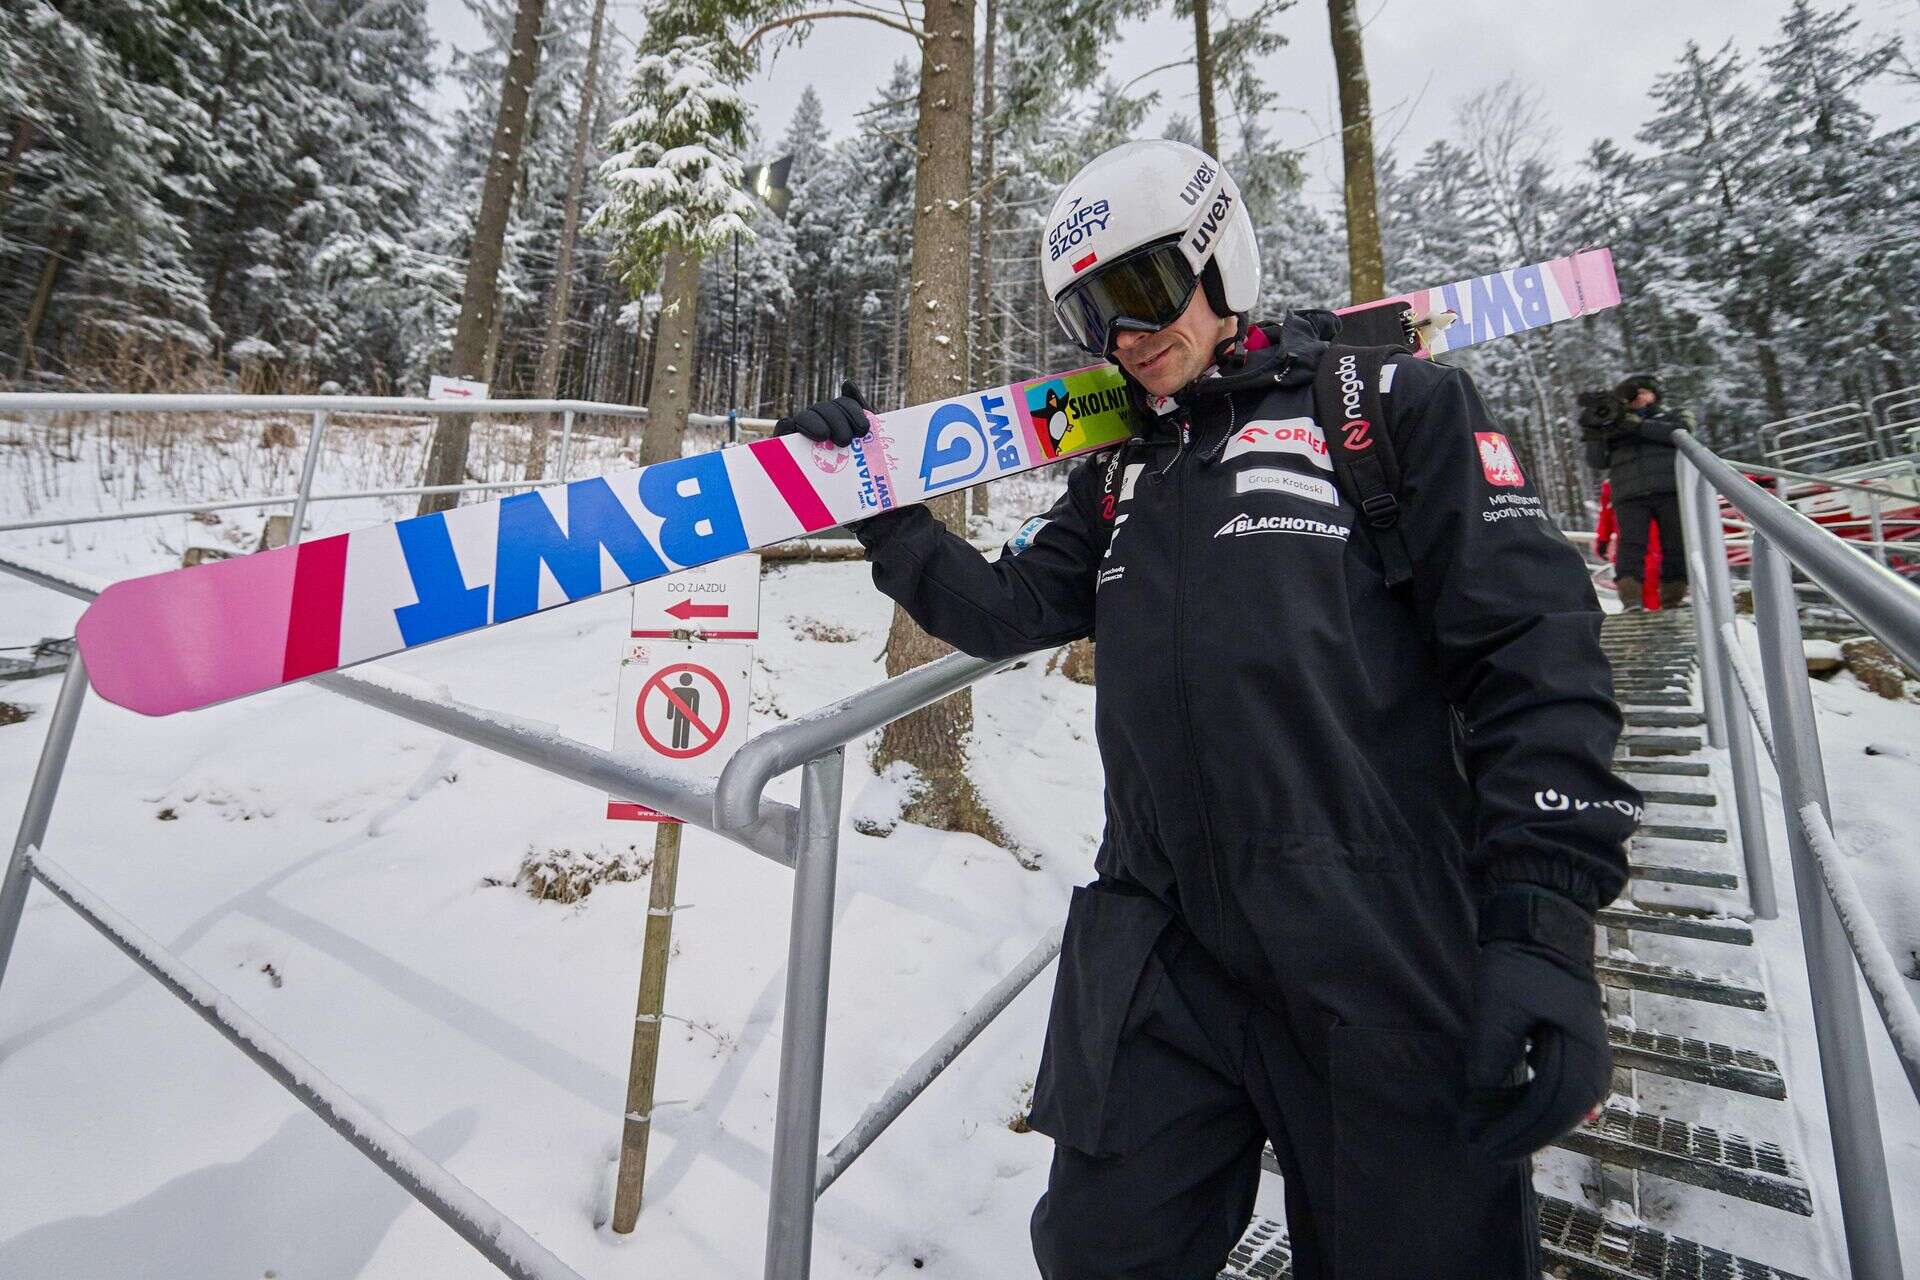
(346, 877)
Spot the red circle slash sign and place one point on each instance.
(698, 728)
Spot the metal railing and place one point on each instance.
(1837, 933)
(804, 838)
(323, 409)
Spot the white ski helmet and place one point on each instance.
(1135, 230)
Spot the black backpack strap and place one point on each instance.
(1346, 400)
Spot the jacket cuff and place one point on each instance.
(1541, 918)
(884, 526)
(1554, 875)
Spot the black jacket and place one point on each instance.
(1272, 720)
(1640, 451)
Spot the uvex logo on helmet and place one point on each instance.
(1356, 430)
(1211, 224)
(1197, 184)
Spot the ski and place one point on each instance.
(194, 637)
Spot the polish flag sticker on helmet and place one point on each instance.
(1083, 263)
(1290, 435)
(1497, 461)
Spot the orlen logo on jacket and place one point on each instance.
(1497, 462)
(1355, 431)
(1290, 435)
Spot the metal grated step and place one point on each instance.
(1701, 799)
(1701, 1061)
(1641, 697)
(1667, 980)
(1666, 719)
(1576, 1244)
(1678, 924)
(1579, 1244)
(1667, 768)
(1672, 831)
(1694, 876)
(1262, 1254)
(1659, 744)
(1729, 1163)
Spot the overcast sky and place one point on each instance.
(1592, 63)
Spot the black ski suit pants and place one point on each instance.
(1636, 515)
(1199, 1076)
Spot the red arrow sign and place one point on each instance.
(687, 610)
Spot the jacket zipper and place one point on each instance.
(1180, 678)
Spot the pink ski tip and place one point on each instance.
(190, 638)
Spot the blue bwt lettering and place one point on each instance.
(699, 519)
(447, 605)
(530, 537)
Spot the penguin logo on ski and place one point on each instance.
(1047, 407)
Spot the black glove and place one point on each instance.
(1534, 995)
(841, 420)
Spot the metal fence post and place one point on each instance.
(307, 468)
(803, 1038)
(1866, 1204)
(1713, 671)
(1879, 528)
(40, 797)
(566, 442)
(1713, 600)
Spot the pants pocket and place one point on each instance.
(1107, 976)
(1410, 1197)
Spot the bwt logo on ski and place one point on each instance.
(1210, 225)
(958, 447)
(1497, 305)
(1197, 184)
(1081, 222)
(692, 498)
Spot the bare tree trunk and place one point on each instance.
(673, 347)
(1366, 271)
(447, 454)
(934, 741)
(42, 295)
(553, 349)
(22, 139)
(983, 353)
(1203, 66)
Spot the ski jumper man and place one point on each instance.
(1646, 494)
(1355, 835)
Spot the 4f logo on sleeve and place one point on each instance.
(1497, 462)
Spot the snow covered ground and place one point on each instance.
(331, 869)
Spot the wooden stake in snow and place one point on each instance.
(643, 1067)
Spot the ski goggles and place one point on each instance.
(1145, 291)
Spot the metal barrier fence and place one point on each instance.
(804, 839)
(323, 409)
(1837, 933)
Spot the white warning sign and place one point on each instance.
(683, 703)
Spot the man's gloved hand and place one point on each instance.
(839, 421)
(1534, 996)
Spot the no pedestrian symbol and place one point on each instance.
(682, 710)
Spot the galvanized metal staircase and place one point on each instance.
(1680, 846)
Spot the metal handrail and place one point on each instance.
(737, 798)
(1837, 936)
(1884, 602)
(804, 838)
(323, 408)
